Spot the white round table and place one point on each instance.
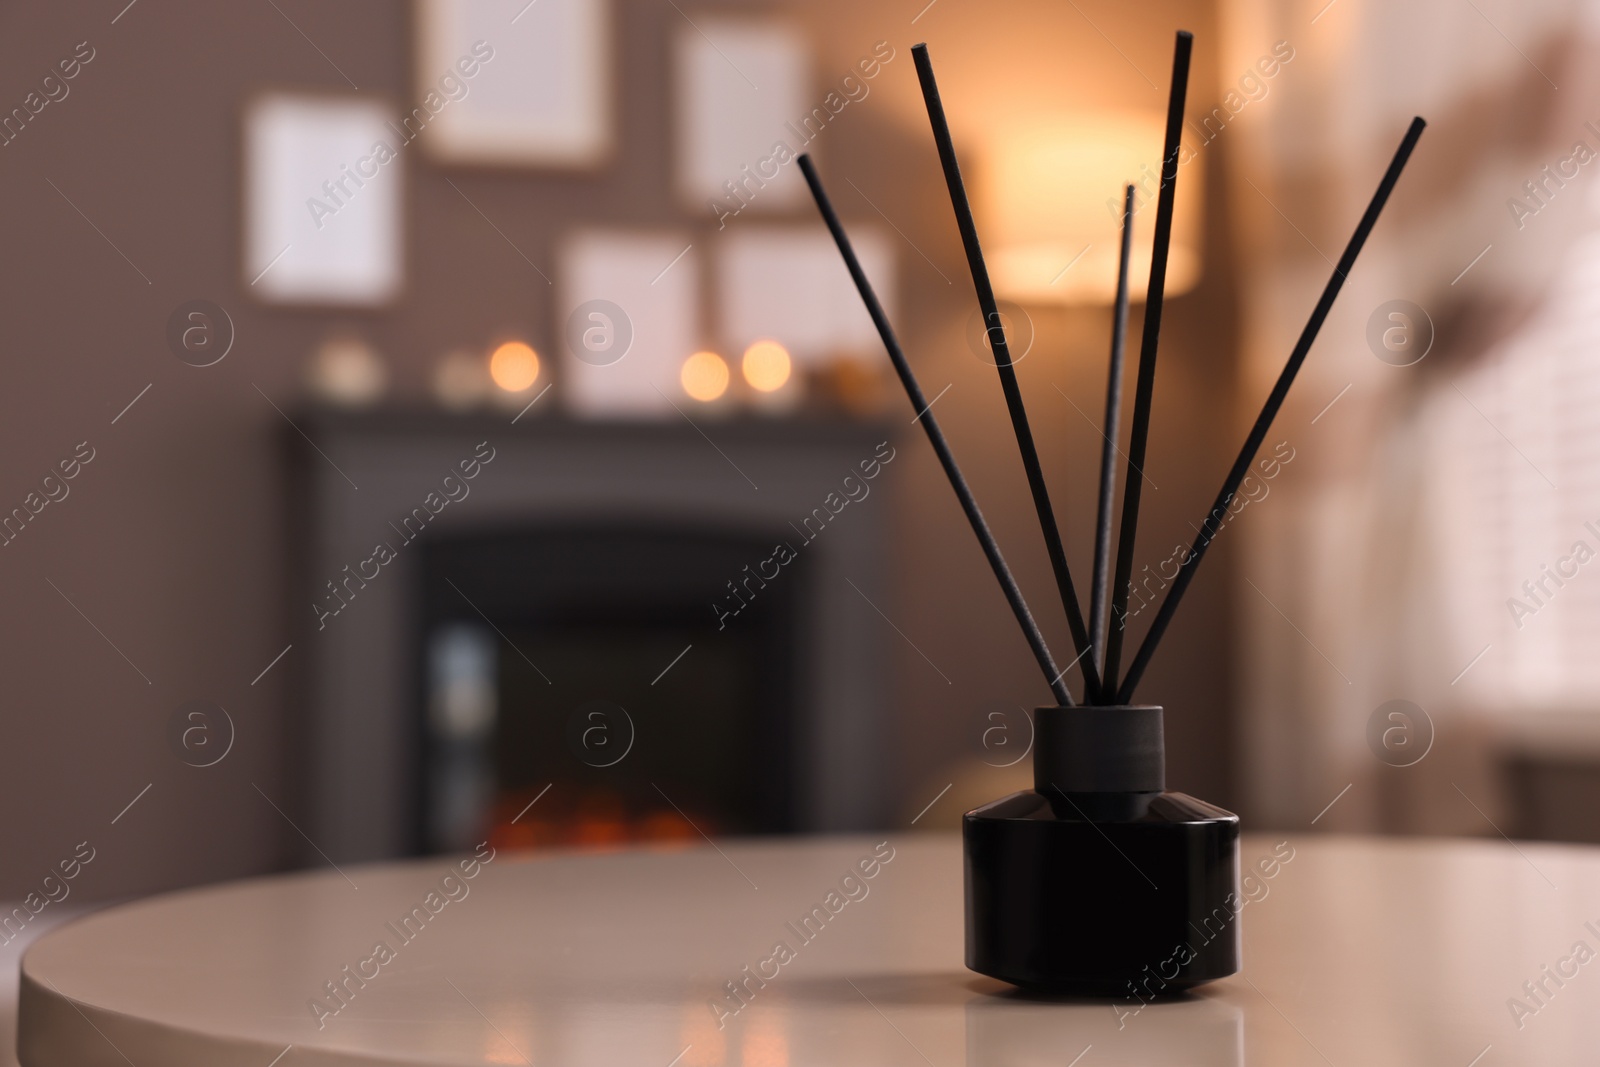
(1363, 952)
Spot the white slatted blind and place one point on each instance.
(1517, 455)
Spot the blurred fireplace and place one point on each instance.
(578, 689)
(597, 551)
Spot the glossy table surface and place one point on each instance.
(1356, 951)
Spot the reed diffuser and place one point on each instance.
(1098, 881)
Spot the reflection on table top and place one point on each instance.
(1356, 951)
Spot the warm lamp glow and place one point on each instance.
(704, 376)
(514, 366)
(766, 366)
(1051, 204)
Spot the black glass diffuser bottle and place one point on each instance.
(1097, 881)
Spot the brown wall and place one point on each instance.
(170, 543)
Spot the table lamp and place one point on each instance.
(1098, 881)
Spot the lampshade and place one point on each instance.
(1050, 197)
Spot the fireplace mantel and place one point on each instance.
(367, 471)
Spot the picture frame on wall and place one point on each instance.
(741, 84)
(629, 304)
(786, 283)
(518, 83)
(323, 199)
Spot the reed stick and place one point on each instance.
(995, 331)
(1111, 431)
(1139, 434)
(1269, 411)
(941, 447)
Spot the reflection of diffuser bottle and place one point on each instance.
(1003, 1031)
(1098, 881)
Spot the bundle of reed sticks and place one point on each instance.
(1098, 644)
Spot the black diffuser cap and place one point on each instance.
(1099, 750)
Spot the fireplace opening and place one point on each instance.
(580, 685)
